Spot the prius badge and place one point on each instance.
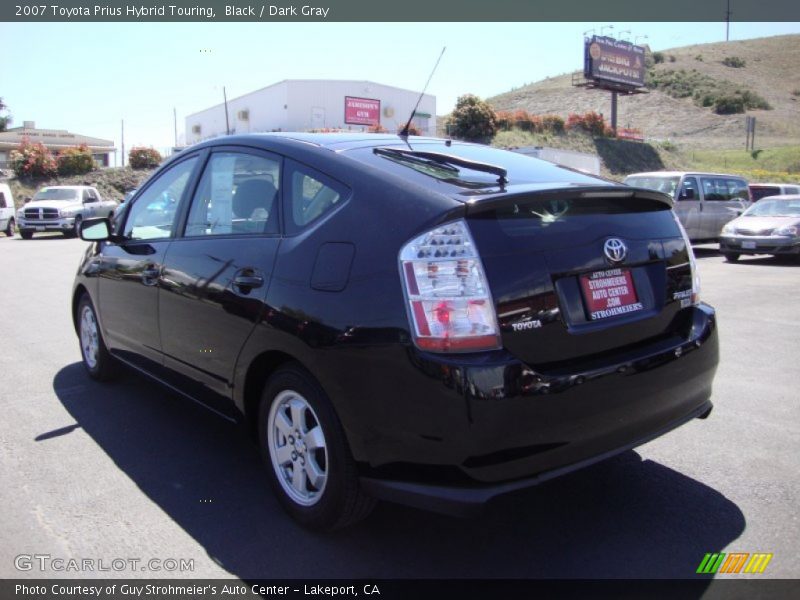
(615, 250)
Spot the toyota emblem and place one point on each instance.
(615, 250)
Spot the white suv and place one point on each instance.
(62, 208)
(6, 210)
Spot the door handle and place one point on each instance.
(245, 283)
(149, 274)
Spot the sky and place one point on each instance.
(89, 77)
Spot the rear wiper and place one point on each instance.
(446, 161)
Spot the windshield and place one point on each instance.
(655, 182)
(55, 194)
(774, 208)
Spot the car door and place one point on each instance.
(130, 270)
(688, 207)
(89, 204)
(216, 274)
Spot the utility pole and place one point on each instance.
(227, 124)
(123, 142)
(175, 120)
(728, 21)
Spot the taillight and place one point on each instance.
(449, 304)
(692, 262)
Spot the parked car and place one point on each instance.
(770, 226)
(6, 210)
(762, 190)
(62, 208)
(416, 320)
(704, 202)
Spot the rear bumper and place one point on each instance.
(763, 245)
(470, 501)
(442, 433)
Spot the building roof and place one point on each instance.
(54, 139)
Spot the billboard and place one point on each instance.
(613, 62)
(362, 111)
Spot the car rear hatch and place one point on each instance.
(582, 275)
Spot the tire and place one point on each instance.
(97, 360)
(76, 228)
(327, 495)
(731, 256)
(25, 234)
(10, 228)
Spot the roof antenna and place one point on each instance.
(404, 131)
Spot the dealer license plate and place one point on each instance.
(609, 293)
(748, 245)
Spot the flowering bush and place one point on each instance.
(505, 120)
(32, 160)
(591, 122)
(377, 128)
(75, 161)
(143, 158)
(553, 124)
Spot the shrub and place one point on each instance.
(553, 124)
(734, 61)
(591, 122)
(75, 161)
(658, 57)
(32, 160)
(505, 120)
(143, 158)
(522, 120)
(378, 128)
(672, 58)
(699, 57)
(729, 105)
(472, 119)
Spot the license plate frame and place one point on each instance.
(609, 293)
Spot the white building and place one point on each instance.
(314, 104)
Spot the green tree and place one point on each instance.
(5, 121)
(472, 119)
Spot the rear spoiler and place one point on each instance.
(488, 203)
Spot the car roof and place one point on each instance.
(682, 173)
(763, 184)
(782, 197)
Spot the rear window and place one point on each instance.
(665, 184)
(762, 191)
(520, 168)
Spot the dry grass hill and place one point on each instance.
(771, 69)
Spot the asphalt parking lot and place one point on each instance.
(128, 470)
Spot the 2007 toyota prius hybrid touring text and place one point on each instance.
(411, 319)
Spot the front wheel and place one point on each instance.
(731, 256)
(10, 228)
(76, 228)
(25, 234)
(96, 358)
(306, 453)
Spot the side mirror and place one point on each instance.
(96, 230)
(686, 194)
(26, 199)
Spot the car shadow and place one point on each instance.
(706, 251)
(626, 517)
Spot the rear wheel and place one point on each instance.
(306, 453)
(10, 228)
(25, 234)
(731, 256)
(96, 358)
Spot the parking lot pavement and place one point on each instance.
(128, 470)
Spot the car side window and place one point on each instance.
(237, 195)
(3, 200)
(153, 214)
(312, 194)
(689, 190)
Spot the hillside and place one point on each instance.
(771, 70)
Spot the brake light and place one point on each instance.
(692, 263)
(449, 303)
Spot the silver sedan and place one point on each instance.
(770, 226)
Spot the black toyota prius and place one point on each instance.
(412, 319)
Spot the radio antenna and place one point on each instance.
(404, 131)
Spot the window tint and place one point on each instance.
(153, 213)
(689, 189)
(724, 188)
(236, 195)
(312, 195)
(2, 200)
